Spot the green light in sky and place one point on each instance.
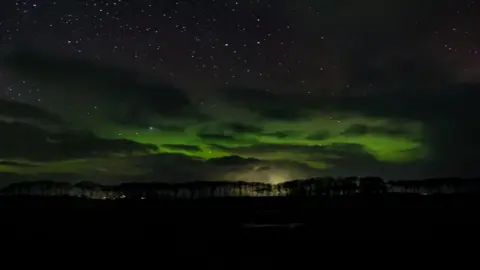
(385, 147)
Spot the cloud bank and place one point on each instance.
(151, 130)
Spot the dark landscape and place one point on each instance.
(350, 210)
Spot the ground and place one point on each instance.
(235, 226)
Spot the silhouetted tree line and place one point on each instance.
(320, 186)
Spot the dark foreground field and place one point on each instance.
(247, 226)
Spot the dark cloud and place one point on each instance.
(24, 141)
(148, 123)
(212, 137)
(70, 136)
(178, 168)
(143, 93)
(242, 128)
(15, 163)
(234, 161)
(11, 111)
(440, 110)
(341, 160)
(227, 133)
(21, 111)
(292, 107)
(170, 128)
(265, 103)
(30, 133)
(283, 134)
(335, 151)
(182, 168)
(359, 130)
(419, 98)
(225, 130)
(190, 148)
(449, 118)
(319, 135)
(171, 167)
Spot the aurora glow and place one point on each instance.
(269, 140)
(232, 90)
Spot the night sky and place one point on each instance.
(258, 90)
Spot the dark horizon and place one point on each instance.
(325, 187)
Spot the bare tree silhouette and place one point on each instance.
(312, 187)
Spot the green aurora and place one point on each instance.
(396, 148)
(187, 139)
(307, 133)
